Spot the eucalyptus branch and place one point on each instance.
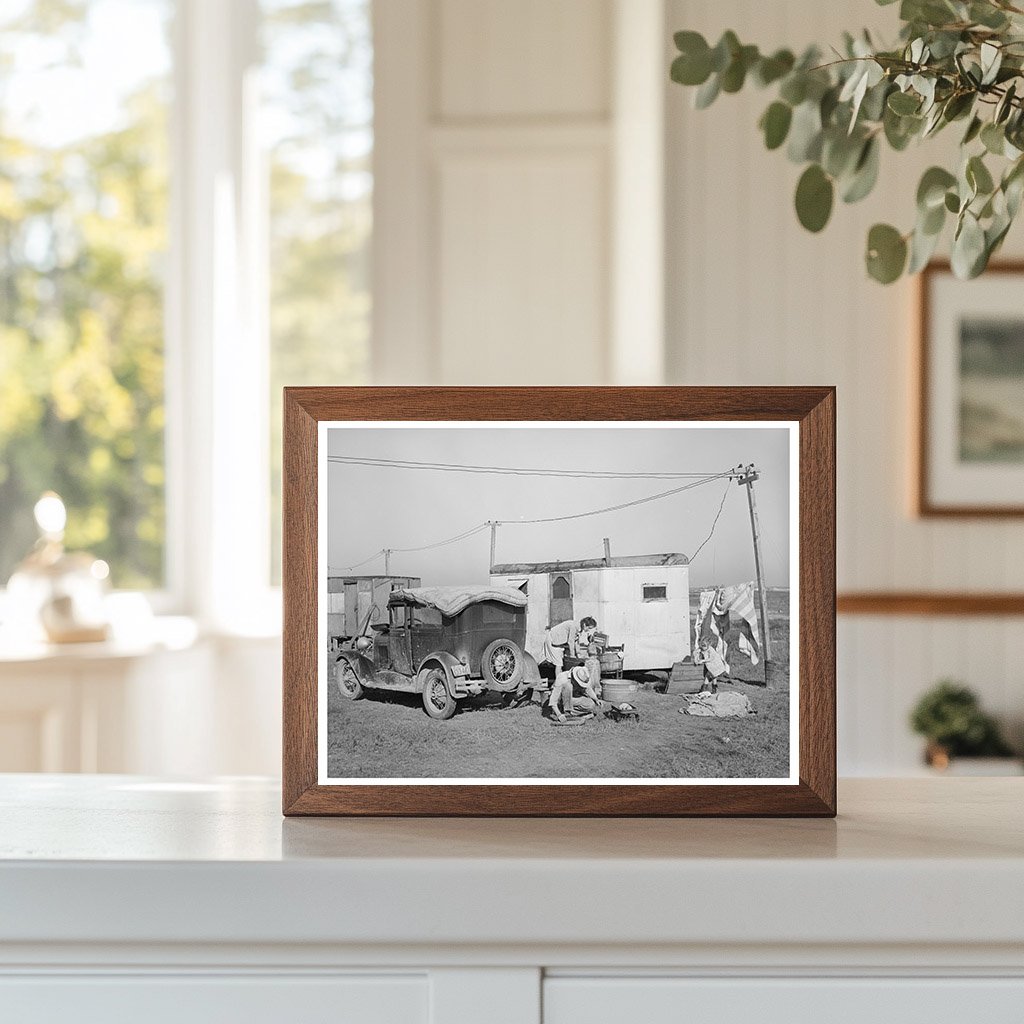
(955, 61)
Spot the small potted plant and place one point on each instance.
(950, 718)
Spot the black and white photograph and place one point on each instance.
(588, 602)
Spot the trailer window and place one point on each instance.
(655, 593)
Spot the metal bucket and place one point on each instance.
(617, 690)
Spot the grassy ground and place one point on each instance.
(389, 735)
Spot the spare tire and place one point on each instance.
(502, 665)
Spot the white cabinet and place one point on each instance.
(202, 999)
(133, 899)
(823, 1000)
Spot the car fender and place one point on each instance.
(531, 670)
(454, 670)
(362, 667)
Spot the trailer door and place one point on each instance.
(561, 597)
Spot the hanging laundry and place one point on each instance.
(713, 622)
(709, 645)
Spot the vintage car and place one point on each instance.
(445, 643)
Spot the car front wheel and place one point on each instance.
(348, 682)
(437, 701)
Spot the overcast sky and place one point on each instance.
(374, 507)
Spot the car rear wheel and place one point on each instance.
(348, 682)
(502, 665)
(437, 701)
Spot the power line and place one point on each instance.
(441, 543)
(718, 514)
(466, 534)
(625, 504)
(451, 467)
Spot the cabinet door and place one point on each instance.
(661, 1000)
(205, 999)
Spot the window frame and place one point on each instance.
(644, 587)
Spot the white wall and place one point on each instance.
(754, 299)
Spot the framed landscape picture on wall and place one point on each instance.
(970, 451)
(559, 601)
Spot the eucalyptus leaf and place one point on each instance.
(904, 103)
(771, 69)
(865, 174)
(978, 176)
(775, 124)
(973, 130)
(968, 247)
(707, 93)
(805, 133)
(931, 190)
(993, 138)
(886, 253)
(922, 247)
(814, 195)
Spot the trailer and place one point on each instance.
(641, 601)
(355, 603)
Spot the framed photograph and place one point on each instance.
(559, 601)
(970, 450)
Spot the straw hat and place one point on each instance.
(580, 674)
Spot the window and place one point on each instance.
(426, 616)
(502, 614)
(83, 238)
(560, 589)
(317, 121)
(524, 587)
(655, 593)
(268, 187)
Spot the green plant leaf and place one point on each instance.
(904, 103)
(775, 124)
(931, 191)
(973, 130)
(735, 74)
(952, 202)
(968, 255)
(922, 247)
(794, 88)
(725, 49)
(707, 93)
(693, 65)
(993, 138)
(865, 173)
(771, 69)
(978, 176)
(805, 133)
(814, 195)
(886, 254)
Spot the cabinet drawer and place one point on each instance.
(205, 999)
(668, 1000)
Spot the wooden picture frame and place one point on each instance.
(807, 412)
(934, 475)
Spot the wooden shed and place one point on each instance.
(641, 601)
(350, 599)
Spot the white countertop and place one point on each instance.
(120, 859)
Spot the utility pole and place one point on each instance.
(494, 541)
(387, 561)
(747, 476)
